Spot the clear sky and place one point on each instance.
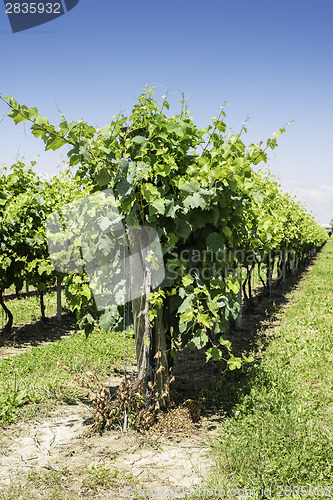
(270, 60)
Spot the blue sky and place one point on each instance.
(272, 61)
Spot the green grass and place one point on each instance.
(27, 309)
(45, 374)
(41, 376)
(101, 476)
(279, 426)
(64, 484)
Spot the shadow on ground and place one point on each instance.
(37, 333)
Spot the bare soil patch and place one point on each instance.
(57, 457)
(60, 443)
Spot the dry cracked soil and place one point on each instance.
(56, 457)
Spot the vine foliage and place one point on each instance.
(198, 188)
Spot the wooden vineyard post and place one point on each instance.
(294, 262)
(269, 274)
(239, 320)
(59, 280)
(284, 274)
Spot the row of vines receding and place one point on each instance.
(196, 188)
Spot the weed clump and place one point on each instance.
(130, 408)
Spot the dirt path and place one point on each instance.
(41, 459)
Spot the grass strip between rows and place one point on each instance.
(279, 435)
(43, 375)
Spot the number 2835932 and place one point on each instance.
(33, 8)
